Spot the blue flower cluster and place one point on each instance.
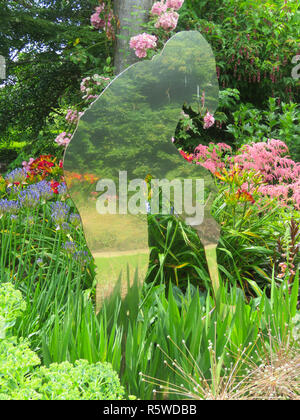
(9, 206)
(70, 247)
(78, 255)
(44, 190)
(62, 188)
(60, 212)
(32, 195)
(75, 219)
(16, 176)
(29, 198)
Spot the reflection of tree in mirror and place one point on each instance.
(129, 128)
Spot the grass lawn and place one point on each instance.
(110, 265)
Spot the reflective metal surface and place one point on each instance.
(123, 142)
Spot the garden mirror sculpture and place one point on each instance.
(123, 143)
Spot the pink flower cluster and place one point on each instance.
(167, 15)
(26, 165)
(175, 4)
(279, 174)
(208, 121)
(73, 116)
(267, 158)
(88, 85)
(63, 139)
(158, 8)
(161, 7)
(102, 19)
(168, 21)
(210, 157)
(141, 43)
(96, 20)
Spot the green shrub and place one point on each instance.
(17, 361)
(253, 42)
(277, 122)
(11, 307)
(20, 378)
(82, 381)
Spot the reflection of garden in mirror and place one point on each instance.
(239, 343)
(124, 142)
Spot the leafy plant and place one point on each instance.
(21, 378)
(277, 122)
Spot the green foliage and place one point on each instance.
(11, 307)
(254, 43)
(276, 122)
(247, 251)
(175, 314)
(20, 378)
(17, 361)
(145, 319)
(81, 381)
(33, 256)
(48, 46)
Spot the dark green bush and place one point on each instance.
(254, 42)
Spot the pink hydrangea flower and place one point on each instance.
(158, 8)
(208, 120)
(168, 21)
(100, 8)
(96, 20)
(141, 43)
(63, 139)
(104, 22)
(175, 4)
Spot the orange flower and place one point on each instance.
(244, 195)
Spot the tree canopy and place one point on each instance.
(48, 46)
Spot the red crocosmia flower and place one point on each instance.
(187, 156)
(42, 166)
(245, 196)
(54, 186)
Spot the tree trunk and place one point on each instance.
(123, 9)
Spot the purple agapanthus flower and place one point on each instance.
(62, 188)
(9, 206)
(44, 189)
(75, 219)
(39, 262)
(60, 212)
(17, 176)
(82, 256)
(66, 228)
(78, 255)
(29, 198)
(70, 247)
